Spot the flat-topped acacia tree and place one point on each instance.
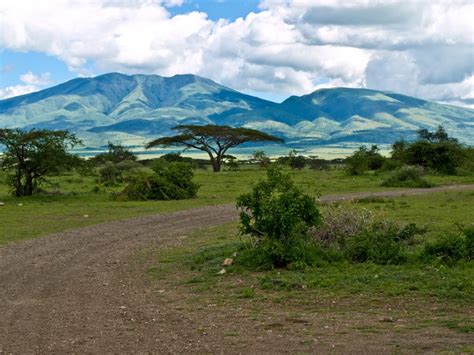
(212, 139)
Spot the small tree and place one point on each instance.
(212, 139)
(261, 158)
(116, 154)
(296, 161)
(33, 155)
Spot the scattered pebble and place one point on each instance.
(222, 272)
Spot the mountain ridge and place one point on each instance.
(135, 108)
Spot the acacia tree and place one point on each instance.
(32, 155)
(212, 139)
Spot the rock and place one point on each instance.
(228, 262)
(235, 254)
(86, 216)
(123, 307)
(222, 272)
(2, 203)
(20, 204)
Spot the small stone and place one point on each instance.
(86, 216)
(222, 272)
(123, 307)
(235, 254)
(20, 204)
(228, 262)
(2, 203)
(387, 319)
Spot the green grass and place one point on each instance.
(29, 217)
(194, 266)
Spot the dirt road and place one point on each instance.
(84, 291)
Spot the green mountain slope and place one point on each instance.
(134, 108)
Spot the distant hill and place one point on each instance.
(132, 109)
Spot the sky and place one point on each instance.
(269, 48)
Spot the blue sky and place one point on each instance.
(271, 48)
(15, 63)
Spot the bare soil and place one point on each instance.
(86, 291)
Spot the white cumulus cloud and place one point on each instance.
(422, 48)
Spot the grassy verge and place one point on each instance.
(410, 296)
(77, 205)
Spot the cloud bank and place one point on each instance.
(420, 48)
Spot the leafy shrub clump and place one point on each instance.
(277, 215)
(355, 235)
(364, 159)
(452, 248)
(407, 176)
(170, 181)
(340, 224)
(382, 243)
(113, 173)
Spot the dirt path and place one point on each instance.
(84, 291)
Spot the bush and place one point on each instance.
(293, 160)
(452, 248)
(354, 235)
(261, 158)
(407, 176)
(382, 243)
(432, 150)
(277, 215)
(111, 173)
(171, 181)
(116, 154)
(363, 160)
(340, 224)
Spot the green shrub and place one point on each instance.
(170, 181)
(109, 174)
(448, 248)
(113, 173)
(363, 160)
(469, 233)
(407, 176)
(277, 215)
(432, 150)
(452, 248)
(116, 154)
(381, 244)
(355, 235)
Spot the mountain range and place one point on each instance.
(132, 109)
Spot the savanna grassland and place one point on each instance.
(72, 201)
(339, 306)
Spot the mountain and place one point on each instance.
(132, 109)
